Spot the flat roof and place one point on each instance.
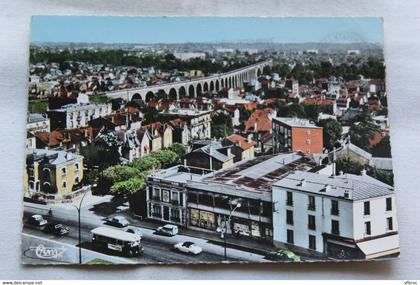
(176, 174)
(254, 175)
(358, 187)
(296, 122)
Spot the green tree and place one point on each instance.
(382, 149)
(331, 132)
(165, 157)
(128, 187)
(362, 130)
(221, 125)
(178, 148)
(385, 176)
(349, 166)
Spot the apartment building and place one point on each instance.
(343, 217)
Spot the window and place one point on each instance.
(290, 238)
(390, 224)
(63, 171)
(76, 166)
(312, 242)
(366, 208)
(64, 184)
(175, 197)
(311, 222)
(31, 172)
(289, 217)
(308, 132)
(289, 200)
(311, 203)
(308, 141)
(367, 228)
(76, 180)
(334, 208)
(389, 204)
(335, 227)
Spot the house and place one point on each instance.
(74, 116)
(295, 134)
(166, 196)
(37, 123)
(342, 217)
(198, 121)
(161, 134)
(130, 146)
(66, 139)
(180, 132)
(209, 155)
(242, 148)
(52, 175)
(258, 125)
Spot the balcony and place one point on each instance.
(311, 207)
(157, 215)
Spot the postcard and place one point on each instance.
(179, 140)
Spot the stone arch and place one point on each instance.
(211, 86)
(182, 92)
(149, 96)
(205, 87)
(173, 94)
(217, 85)
(230, 82)
(226, 83)
(191, 91)
(259, 72)
(236, 81)
(136, 96)
(199, 89)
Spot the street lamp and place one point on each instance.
(79, 209)
(238, 205)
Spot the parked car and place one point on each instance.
(117, 221)
(188, 247)
(37, 220)
(168, 230)
(282, 254)
(135, 230)
(56, 229)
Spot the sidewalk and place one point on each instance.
(240, 243)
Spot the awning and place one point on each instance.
(380, 247)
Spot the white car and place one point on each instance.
(167, 230)
(134, 230)
(37, 220)
(188, 247)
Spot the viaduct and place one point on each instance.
(191, 88)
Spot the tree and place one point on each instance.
(165, 157)
(331, 132)
(349, 166)
(221, 125)
(382, 149)
(178, 148)
(362, 130)
(128, 187)
(146, 163)
(385, 176)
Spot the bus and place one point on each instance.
(124, 243)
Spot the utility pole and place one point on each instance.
(79, 209)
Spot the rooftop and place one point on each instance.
(296, 122)
(78, 107)
(55, 157)
(177, 173)
(254, 176)
(358, 187)
(36, 117)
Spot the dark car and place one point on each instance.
(56, 229)
(37, 221)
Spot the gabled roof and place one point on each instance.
(243, 143)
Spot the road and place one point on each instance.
(157, 249)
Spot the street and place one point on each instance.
(157, 249)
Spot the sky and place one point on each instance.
(147, 30)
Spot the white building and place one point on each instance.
(37, 123)
(343, 217)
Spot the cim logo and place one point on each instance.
(44, 252)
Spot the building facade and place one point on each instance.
(294, 134)
(52, 175)
(342, 217)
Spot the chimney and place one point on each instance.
(363, 172)
(302, 182)
(255, 127)
(185, 162)
(347, 194)
(229, 152)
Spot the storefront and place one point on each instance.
(202, 219)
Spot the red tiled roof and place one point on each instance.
(243, 142)
(259, 117)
